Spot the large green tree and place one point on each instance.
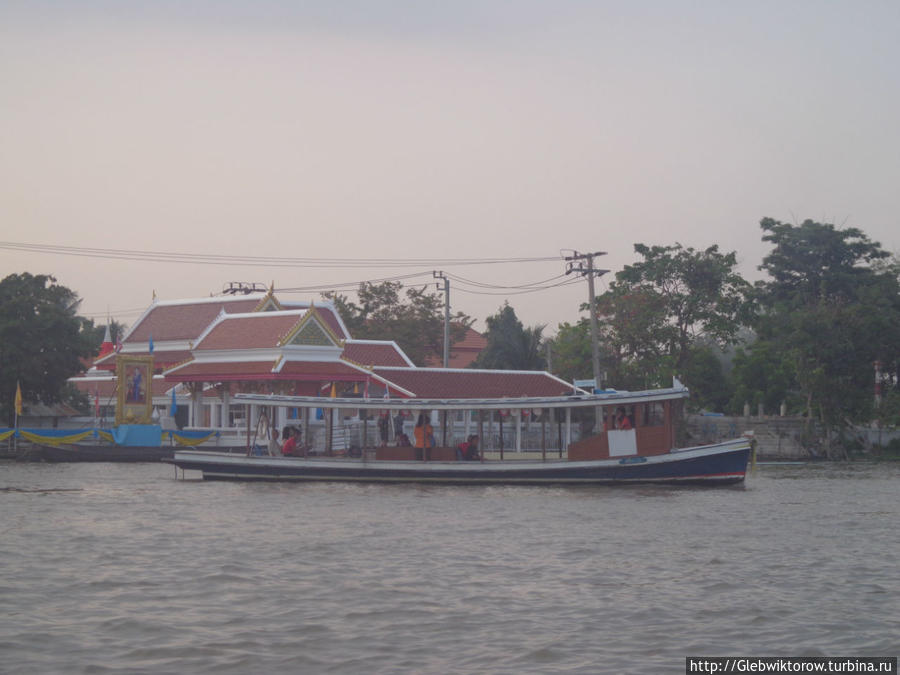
(510, 345)
(571, 351)
(659, 310)
(42, 339)
(413, 318)
(830, 309)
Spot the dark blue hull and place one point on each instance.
(720, 464)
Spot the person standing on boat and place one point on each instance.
(623, 422)
(383, 426)
(424, 433)
(274, 445)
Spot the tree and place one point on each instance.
(831, 308)
(659, 309)
(42, 339)
(763, 374)
(510, 346)
(571, 350)
(415, 323)
(705, 377)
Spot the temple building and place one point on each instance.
(207, 350)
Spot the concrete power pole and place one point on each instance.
(440, 275)
(583, 264)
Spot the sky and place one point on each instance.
(310, 139)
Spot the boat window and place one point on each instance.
(655, 415)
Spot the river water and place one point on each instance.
(110, 568)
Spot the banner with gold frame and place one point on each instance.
(135, 385)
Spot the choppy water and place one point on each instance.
(120, 568)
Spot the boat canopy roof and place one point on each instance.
(573, 401)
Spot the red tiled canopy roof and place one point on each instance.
(465, 383)
(162, 358)
(106, 387)
(263, 370)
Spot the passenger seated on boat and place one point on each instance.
(623, 422)
(290, 442)
(403, 441)
(468, 450)
(274, 445)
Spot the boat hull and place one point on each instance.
(718, 464)
(86, 452)
(74, 452)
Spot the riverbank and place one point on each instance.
(782, 438)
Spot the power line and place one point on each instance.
(256, 261)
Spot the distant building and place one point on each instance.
(462, 353)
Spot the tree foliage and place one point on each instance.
(42, 339)
(829, 310)
(510, 345)
(414, 319)
(571, 351)
(658, 310)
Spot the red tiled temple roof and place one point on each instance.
(372, 353)
(256, 331)
(186, 321)
(467, 383)
(329, 315)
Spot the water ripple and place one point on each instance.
(115, 568)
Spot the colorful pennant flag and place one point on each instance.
(18, 399)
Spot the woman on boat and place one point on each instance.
(424, 433)
(623, 422)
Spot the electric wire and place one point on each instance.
(259, 261)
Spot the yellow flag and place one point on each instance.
(18, 399)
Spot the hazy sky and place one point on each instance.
(417, 130)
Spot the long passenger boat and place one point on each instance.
(645, 453)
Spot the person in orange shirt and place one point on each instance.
(622, 420)
(424, 434)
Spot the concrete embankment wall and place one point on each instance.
(776, 437)
(780, 437)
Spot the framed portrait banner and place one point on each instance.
(135, 380)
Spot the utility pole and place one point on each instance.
(440, 275)
(583, 264)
